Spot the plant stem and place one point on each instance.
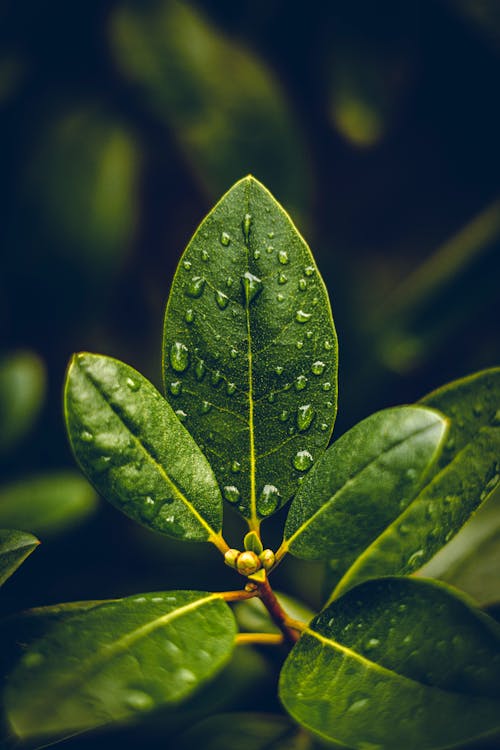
(237, 596)
(290, 628)
(264, 639)
(219, 541)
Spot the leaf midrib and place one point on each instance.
(253, 521)
(351, 480)
(211, 533)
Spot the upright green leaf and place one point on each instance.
(396, 663)
(250, 350)
(15, 546)
(119, 659)
(47, 503)
(22, 390)
(362, 484)
(179, 65)
(135, 451)
(465, 475)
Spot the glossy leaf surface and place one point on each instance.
(250, 351)
(396, 663)
(466, 474)
(119, 659)
(245, 731)
(46, 504)
(22, 390)
(363, 483)
(135, 451)
(15, 546)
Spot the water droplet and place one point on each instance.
(284, 415)
(175, 387)
(236, 467)
(168, 523)
(231, 494)
(205, 255)
(181, 415)
(305, 415)
(283, 257)
(301, 316)
(171, 648)
(230, 388)
(229, 282)
(247, 221)
(300, 383)
(292, 430)
(326, 386)
(179, 356)
(287, 386)
(200, 369)
(256, 254)
(299, 344)
(302, 285)
(302, 460)
(86, 436)
(233, 353)
(185, 675)
(186, 264)
(372, 644)
(196, 286)
(411, 473)
(252, 285)
(270, 235)
(205, 407)
(271, 397)
(189, 315)
(278, 370)
(269, 500)
(309, 335)
(225, 239)
(282, 279)
(416, 559)
(318, 367)
(221, 299)
(216, 378)
(328, 345)
(149, 509)
(309, 270)
(134, 385)
(280, 297)
(359, 703)
(323, 427)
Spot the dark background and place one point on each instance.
(376, 124)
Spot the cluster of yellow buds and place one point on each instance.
(253, 559)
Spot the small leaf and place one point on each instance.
(396, 663)
(466, 473)
(15, 546)
(245, 731)
(22, 390)
(256, 377)
(119, 659)
(135, 451)
(46, 504)
(363, 483)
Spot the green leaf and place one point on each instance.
(245, 731)
(22, 390)
(363, 483)
(178, 63)
(15, 546)
(466, 474)
(135, 451)
(396, 663)
(119, 659)
(250, 350)
(46, 504)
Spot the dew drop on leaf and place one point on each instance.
(186, 264)
(230, 388)
(179, 356)
(235, 467)
(86, 436)
(268, 500)
(231, 494)
(200, 369)
(301, 316)
(205, 407)
(317, 368)
(283, 257)
(189, 315)
(326, 386)
(134, 385)
(302, 460)
(247, 222)
(302, 285)
(252, 286)
(221, 299)
(305, 416)
(181, 415)
(196, 286)
(225, 239)
(282, 279)
(205, 255)
(278, 370)
(175, 387)
(300, 383)
(309, 270)
(284, 415)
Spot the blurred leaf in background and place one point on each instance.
(22, 392)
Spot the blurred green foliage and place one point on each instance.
(376, 124)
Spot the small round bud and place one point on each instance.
(251, 587)
(267, 559)
(247, 563)
(231, 556)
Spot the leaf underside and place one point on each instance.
(15, 546)
(119, 659)
(396, 663)
(465, 475)
(132, 447)
(250, 350)
(362, 483)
